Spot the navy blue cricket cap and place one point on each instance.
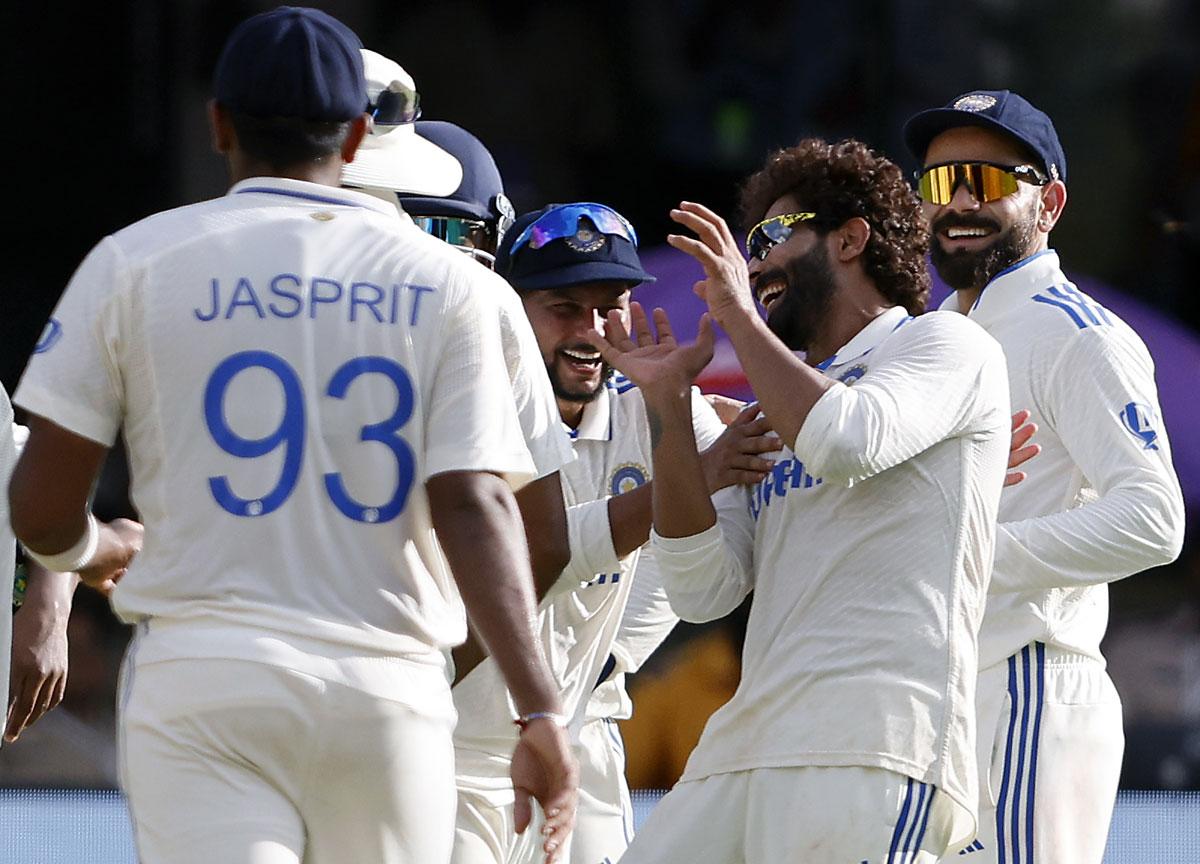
(999, 110)
(292, 62)
(588, 256)
(480, 194)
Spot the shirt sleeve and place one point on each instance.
(706, 425)
(73, 378)
(1102, 403)
(471, 424)
(708, 574)
(537, 409)
(590, 535)
(926, 391)
(648, 617)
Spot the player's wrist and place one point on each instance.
(556, 718)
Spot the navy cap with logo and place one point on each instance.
(570, 244)
(292, 62)
(480, 194)
(1000, 110)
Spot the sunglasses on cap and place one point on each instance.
(395, 105)
(769, 233)
(563, 221)
(987, 181)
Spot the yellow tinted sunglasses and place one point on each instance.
(987, 181)
(769, 233)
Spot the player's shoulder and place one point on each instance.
(1063, 316)
(951, 330)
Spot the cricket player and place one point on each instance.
(1102, 501)
(850, 737)
(309, 388)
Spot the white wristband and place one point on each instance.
(75, 558)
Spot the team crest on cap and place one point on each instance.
(627, 477)
(975, 102)
(587, 238)
(1138, 419)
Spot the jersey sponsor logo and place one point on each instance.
(853, 374)
(627, 477)
(1138, 419)
(1081, 309)
(286, 295)
(787, 474)
(51, 333)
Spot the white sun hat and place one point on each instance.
(393, 156)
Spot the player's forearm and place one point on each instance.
(680, 502)
(785, 386)
(477, 522)
(48, 592)
(545, 521)
(1124, 532)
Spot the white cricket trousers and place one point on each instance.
(1050, 745)
(604, 820)
(807, 815)
(240, 762)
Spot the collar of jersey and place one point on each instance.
(1013, 285)
(868, 338)
(596, 422)
(303, 193)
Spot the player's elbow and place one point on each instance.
(1165, 525)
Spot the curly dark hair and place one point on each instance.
(839, 181)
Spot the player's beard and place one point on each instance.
(577, 393)
(966, 269)
(795, 316)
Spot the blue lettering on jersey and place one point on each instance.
(361, 301)
(787, 474)
(1138, 419)
(51, 333)
(1084, 311)
(853, 374)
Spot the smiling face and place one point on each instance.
(973, 241)
(561, 318)
(795, 282)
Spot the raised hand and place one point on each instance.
(726, 283)
(1020, 451)
(654, 364)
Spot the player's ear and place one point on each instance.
(220, 127)
(1053, 201)
(360, 127)
(851, 238)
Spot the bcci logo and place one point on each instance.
(1139, 420)
(975, 102)
(627, 477)
(852, 374)
(49, 338)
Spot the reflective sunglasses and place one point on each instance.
(563, 221)
(395, 105)
(987, 181)
(769, 233)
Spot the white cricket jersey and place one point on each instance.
(868, 551)
(288, 364)
(8, 543)
(537, 409)
(1101, 501)
(579, 618)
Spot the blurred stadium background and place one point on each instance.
(640, 104)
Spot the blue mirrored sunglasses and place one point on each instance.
(563, 221)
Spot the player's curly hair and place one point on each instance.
(839, 181)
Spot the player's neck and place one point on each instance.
(571, 412)
(850, 311)
(326, 171)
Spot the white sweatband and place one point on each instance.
(75, 558)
